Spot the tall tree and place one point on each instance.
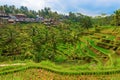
(117, 17)
(86, 22)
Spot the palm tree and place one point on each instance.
(116, 18)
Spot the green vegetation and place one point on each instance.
(77, 45)
(61, 71)
(70, 57)
(50, 66)
(104, 51)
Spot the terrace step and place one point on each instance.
(118, 51)
(108, 46)
(104, 53)
(103, 58)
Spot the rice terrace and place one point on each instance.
(45, 44)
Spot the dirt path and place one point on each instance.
(2, 65)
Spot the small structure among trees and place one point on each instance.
(3, 17)
(20, 17)
(49, 22)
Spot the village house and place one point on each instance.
(12, 19)
(3, 17)
(24, 18)
(20, 17)
(39, 19)
(49, 22)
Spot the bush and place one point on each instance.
(60, 58)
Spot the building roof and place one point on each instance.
(12, 17)
(19, 14)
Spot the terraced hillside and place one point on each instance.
(95, 56)
(104, 46)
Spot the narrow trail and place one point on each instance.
(16, 64)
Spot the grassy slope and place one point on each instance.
(47, 70)
(50, 66)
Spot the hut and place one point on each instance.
(3, 17)
(20, 17)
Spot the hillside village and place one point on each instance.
(22, 18)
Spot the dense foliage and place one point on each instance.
(38, 41)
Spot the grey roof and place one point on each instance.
(12, 17)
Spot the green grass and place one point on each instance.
(71, 70)
(110, 37)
